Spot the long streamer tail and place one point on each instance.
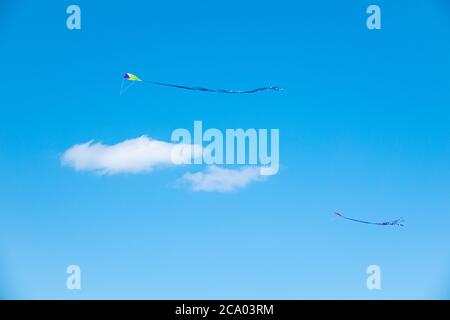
(129, 77)
(398, 222)
(216, 90)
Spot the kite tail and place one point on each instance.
(398, 222)
(216, 90)
(133, 78)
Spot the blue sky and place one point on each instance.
(364, 128)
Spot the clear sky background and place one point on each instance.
(364, 129)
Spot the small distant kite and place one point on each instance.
(130, 79)
(398, 222)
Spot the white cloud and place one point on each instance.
(143, 154)
(220, 179)
(130, 156)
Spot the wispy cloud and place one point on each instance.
(130, 156)
(143, 154)
(220, 179)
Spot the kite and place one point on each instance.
(398, 222)
(130, 79)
